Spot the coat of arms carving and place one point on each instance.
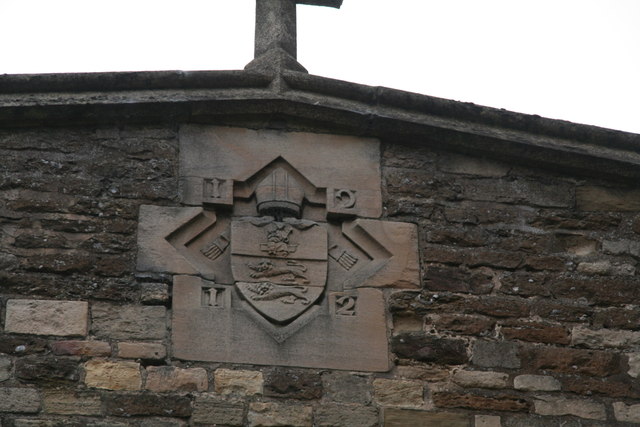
(276, 252)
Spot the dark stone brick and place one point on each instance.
(573, 220)
(47, 369)
(561, 310)
(471, 237)
(618, 318)
(571, 361)
(536, 332)
(499, 306)
(79, 261)
(127, 405)
(22, 345)
(599, 290)
(426, 348)
(545, 263)
(292, 384)
(525, 284)
(619, 387)
(463, 324)
(394, 417)
(483, 403)
(458, 280)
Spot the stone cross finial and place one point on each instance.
(275, 45)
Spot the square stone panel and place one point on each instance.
(346, 331)
(348, 167)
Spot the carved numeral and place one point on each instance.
(213, 297)
(345, 199)
(346, 305)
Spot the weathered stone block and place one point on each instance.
(22, 345)
(162, 422)
(409, 417)
(463, 324)
(491, 354)
(72, 403)
(480, 403)
(23, 400)
(5, 367)
(634, 364)
(128, 405)
(333, 415)
(47, 369)
(572, 361)
(536, 332)
(169, 378)
(47, 317)
(142, 350)
(520, 191)
(402, 393)
(480, 379)
(604, 338)
(210, 409)
(154, 293)
(112, 375)
(592, 198)
(618, 387)
(626, 413)
(427, 348)
(293, 384)
(487, 421)
(128, 322)
(228, 381)
(536, 383)
(81, 348)
(346, 387)
(267, 414)
(558, 406)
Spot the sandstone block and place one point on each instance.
(23, 400)
(346, 387)
(333, 415)
(427, 348)
(129, 405)
(394, 417)
(47, 369)
(47, 317)
(405, 393)
(634, 364)
(267, 414)
(169, 378)
(592, 198)
(559, 406)
(480, 403)
(70, 403)
(112, 375)
(536, 383)
(487, 421)
(142, 350)
(604, 338)
(210, 409)
(5, 367)
(293, 384)
(491, 354)
(154, 293)
(626, 413)
(229, 381)
(81, 348)
(128, 322)
(481, 379)
(162, 422)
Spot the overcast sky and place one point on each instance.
(576, 60)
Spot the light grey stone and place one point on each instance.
(604, 338)
(5, 367)
(559, 406)
(627, 413)
(490, 354)
(481, 379)
(23, 400)
(334, 415)
(47, 317)
(346, 387)
(128, 321)
(536, 383)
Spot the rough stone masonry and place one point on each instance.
(520, 306)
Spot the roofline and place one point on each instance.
(319, 103)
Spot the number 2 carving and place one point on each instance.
(345, 306)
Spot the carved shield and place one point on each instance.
(280, 268)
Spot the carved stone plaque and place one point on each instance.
(277, 258)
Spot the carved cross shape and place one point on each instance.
(275, 44)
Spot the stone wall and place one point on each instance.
(528, 314)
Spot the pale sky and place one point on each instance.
(577, 60)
